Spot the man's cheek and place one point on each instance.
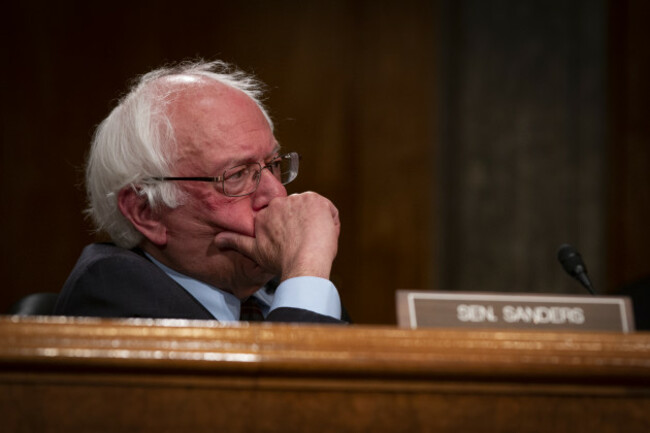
(233, 214)
(237, 222)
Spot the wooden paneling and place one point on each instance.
(629, 143)
(523, 144)
(61, 374)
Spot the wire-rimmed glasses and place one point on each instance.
(243, 179)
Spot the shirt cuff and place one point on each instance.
(308, 293)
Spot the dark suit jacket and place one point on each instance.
(109, 281)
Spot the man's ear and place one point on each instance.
(136, 209)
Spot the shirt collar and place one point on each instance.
(224, 306)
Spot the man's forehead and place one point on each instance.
(217, 125)
(211, 159)
(187, 92)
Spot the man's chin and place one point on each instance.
(247, 272)
(255, 271)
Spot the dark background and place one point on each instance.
(462, 141)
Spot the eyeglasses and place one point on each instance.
(243, 179)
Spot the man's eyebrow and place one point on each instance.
(234, 162)
(225, 165)
(275, 151)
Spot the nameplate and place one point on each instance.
(426, 309)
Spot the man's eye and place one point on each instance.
(276, 163)
(236, 174)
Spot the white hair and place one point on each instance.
(136, 142)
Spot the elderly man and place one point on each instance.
(187, 178)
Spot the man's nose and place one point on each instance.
(268, 189)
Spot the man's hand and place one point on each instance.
(294, 236)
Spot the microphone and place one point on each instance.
(572, 263)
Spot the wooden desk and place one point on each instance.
(88, 375)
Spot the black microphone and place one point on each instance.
(572, 263)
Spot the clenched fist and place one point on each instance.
(294, 236)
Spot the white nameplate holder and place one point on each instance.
(428, 309)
